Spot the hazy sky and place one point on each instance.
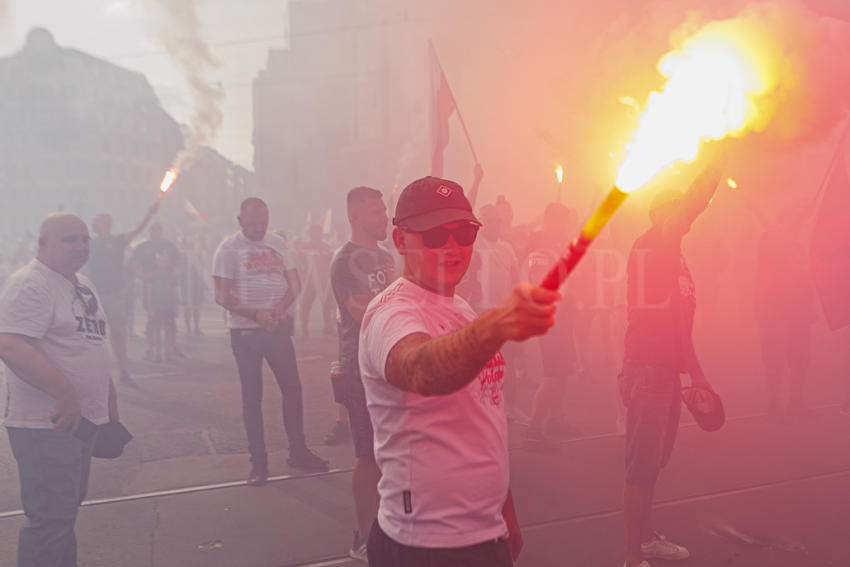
(124, 32)
(537, 84)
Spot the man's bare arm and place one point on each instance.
(142, 223)
(225, 298)
(695, 201)
(436, 366)
(30, 366)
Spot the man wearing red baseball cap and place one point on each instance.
(433, 376)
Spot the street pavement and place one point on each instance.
(760, 492)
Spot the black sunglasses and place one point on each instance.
(86, 295)
(437, 237)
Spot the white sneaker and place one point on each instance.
(358, 549)
(659, 548)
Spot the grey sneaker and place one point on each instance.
(358, 548)
(659, 548)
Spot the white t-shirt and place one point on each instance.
(443, 459)
(69, 328)
(257, 270)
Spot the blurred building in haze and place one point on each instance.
(345, 105)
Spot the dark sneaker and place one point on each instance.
(306, 460)
(339, 434)
(358, 548)
(258, 477)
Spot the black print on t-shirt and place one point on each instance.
(92, 328)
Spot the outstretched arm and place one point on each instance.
(694, 202)
(436, 366)
(142, 223)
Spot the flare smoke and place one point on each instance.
(811, 55)
(179, 33)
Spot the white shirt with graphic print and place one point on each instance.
(443, 459)
(69, 329)
(257, 270)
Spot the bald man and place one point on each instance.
(53, 336)
(256, 282)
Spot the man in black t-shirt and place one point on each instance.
(659, 347)
(106, 267)
(359, 271)
(144, 266)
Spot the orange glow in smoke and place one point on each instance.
(716, 85)
(168, 180)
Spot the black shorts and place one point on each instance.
(652, 396)
(349, 392)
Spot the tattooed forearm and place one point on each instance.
(435, 366)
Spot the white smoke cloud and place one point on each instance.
(179, 31)
(5, 15)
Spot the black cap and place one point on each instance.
(111, 438)
(430, 202)
(710, 420)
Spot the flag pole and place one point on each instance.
(457, 107)
(835, 157)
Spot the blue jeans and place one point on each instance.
(250, 347)
(53, 467)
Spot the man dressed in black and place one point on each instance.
(659, 347)
(359, 271)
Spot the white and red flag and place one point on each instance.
(442, 106)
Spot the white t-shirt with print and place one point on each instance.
(443, 459)
(68, 324)
(257, 270)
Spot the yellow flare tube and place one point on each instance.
(575, 251)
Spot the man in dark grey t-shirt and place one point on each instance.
(106, 268)
(359, 271)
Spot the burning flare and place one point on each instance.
(559, 173)
(717, 86)
(168, 180)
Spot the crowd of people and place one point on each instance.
(437, 334)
